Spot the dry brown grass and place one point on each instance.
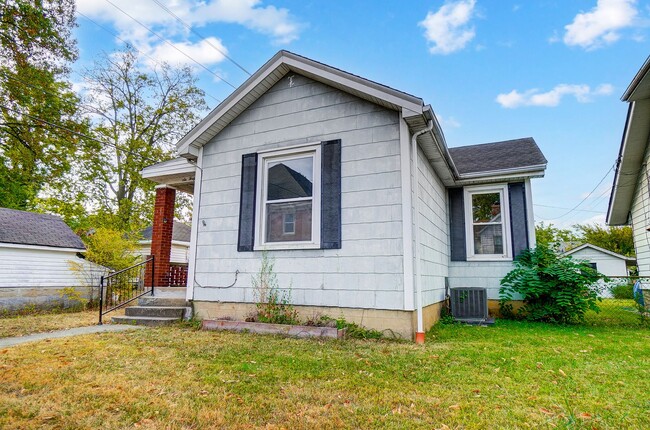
(509, 376)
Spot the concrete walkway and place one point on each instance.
(12, 341)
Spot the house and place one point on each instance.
(629, 202)
(180, 243)
(350, 187)
(605, 261)
(39, 259)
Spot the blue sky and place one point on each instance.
(492, 69)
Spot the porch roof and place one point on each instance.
(178, 173)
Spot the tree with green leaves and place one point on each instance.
(138, 115)
(552, 237)
(38, 109)
(615, 239)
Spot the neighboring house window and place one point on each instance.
(487, 224)
(593, 266)
(289, 225)
(289, 189)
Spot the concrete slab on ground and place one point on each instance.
(12, 341)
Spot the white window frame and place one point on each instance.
(293, 152)
(502, 189)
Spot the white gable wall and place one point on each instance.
(368, 271)
(179, 253)
(605, 263)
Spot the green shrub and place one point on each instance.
(553, 289)
(624, 292)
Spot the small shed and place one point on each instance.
(39, 259)
(606, 262)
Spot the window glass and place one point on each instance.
(486, 207)
(488, 239)
(290, 179)
(276, 216)
(487, 228)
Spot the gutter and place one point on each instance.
(419, 334)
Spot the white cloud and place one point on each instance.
(448, 30)
(582, 93)
(448, 121)
(601, 25)
(204, 52)
(276, 23)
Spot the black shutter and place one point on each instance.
(246, 239)
(330, 221)
(457, 224)
(518, 217)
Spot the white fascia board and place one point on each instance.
(40, 248)
(631, 158)
(235, 97)
(178, 166)
(527, 171)
(186, 146)
(353, 82)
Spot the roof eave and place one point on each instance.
(536, 171)
(639, 82)
(630, 160)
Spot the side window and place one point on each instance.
(487, 224)
(289, 198)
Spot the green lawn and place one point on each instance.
(511, 375)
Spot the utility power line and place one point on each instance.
(190, 28)
(76, 133)
(585, 199)
(170, 44)
(112, 33)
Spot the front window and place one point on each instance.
(486, 212)
(290, 198)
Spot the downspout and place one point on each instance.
(419, 334)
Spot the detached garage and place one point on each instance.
(38, 259)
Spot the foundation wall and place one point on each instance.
(402, 323)
(14, 299)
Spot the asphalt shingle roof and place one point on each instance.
(487, 157)
(29, 228)
(180, 232)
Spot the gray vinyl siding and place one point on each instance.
(640, 216)
(484, 274)
(433, 235)
(367, 272)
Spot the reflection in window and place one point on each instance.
(289, 199)
(487, 225)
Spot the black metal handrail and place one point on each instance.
(120, 288)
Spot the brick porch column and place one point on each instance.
(161, 235)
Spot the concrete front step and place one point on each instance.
(156, 311)
(141, 320)
(162, 301)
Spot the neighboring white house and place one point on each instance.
(39, 258)
(371, 214)
(180, 243)
(606, 262)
